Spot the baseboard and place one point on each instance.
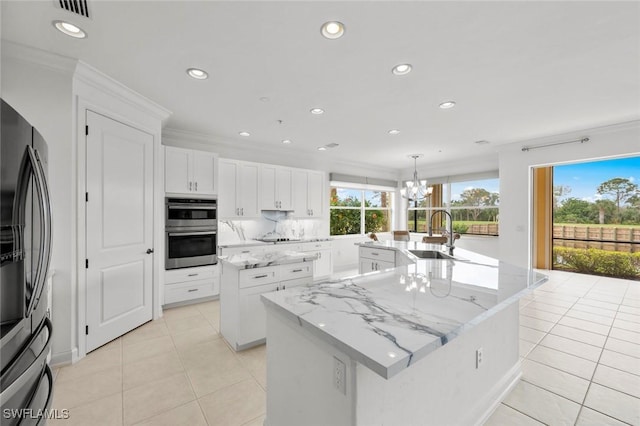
(494, 398)
(190, 302)
(61, 359)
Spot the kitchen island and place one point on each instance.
(431, 342)
(245, 276)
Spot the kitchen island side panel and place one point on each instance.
(300, 378)
(443, 388)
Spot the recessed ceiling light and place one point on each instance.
(286, 141)
(401, 69)
(447, 104)
(394, 131)
(197, 73)
(244, 134)
(69, 29)
(322, 148)
(332, 30)
(317, 111)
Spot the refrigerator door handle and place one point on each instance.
(45, 241)
(30, 166)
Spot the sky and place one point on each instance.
(584, 178)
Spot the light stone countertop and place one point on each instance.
(250, 243)
(387, 320)
(261, 260)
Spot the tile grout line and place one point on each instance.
(597, 364)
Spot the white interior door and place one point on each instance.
(119, 229)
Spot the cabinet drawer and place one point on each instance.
(317, 245)
(296, 270)
(377, 254)
(258, 276)
(188, 291)
(190, 274)
(296, 282)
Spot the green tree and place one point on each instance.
(474, 198)
(621, 189)
(574, 210)
(605, 210)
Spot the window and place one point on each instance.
(472, 204)
(359, 211)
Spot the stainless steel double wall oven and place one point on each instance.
(191, 232)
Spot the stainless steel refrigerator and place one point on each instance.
(26, 384)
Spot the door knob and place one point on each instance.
(149, 251)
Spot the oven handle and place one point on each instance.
(190, 207)
(188, 234)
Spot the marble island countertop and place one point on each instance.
(250, 243)
(388, 320)
(261, 260)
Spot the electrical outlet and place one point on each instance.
(339, 375)
(479, 357)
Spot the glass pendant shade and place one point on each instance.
(416, 189)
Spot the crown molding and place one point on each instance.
(92, 77)
(226, 149)
(42, 58)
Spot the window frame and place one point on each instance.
(363, 209)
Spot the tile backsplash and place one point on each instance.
(278, 223)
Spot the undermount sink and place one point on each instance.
(431, 254)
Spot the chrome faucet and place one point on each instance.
(450, 231)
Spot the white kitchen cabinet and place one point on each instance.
(308, 193)
(242, 313)
(323, 265)
(276, 190)
(238, 194)
(375, 259)
(189, 171)
(191, 283)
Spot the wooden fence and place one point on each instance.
(483, 229)
(598, 237)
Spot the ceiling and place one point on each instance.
(517, 70)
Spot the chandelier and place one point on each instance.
(416, 189)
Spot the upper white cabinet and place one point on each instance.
(190, 172)
(308, 193)
(276, 188)
(238, 194)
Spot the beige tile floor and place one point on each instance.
(579, 343)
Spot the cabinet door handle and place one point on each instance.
(297, 270)
(284, 287)
(319, 255)
(311, 212)
(260, 276)
(196, 185)
(373, 253)
(372, 267)
(191, 290)
(192, 275)
(241, 211)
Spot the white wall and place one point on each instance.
(515, 177)
(42, 94)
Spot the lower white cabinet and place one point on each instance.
(242, 313)
(323, 265)
(185, 284)
(374, 259)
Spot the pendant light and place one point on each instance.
(416, 189)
